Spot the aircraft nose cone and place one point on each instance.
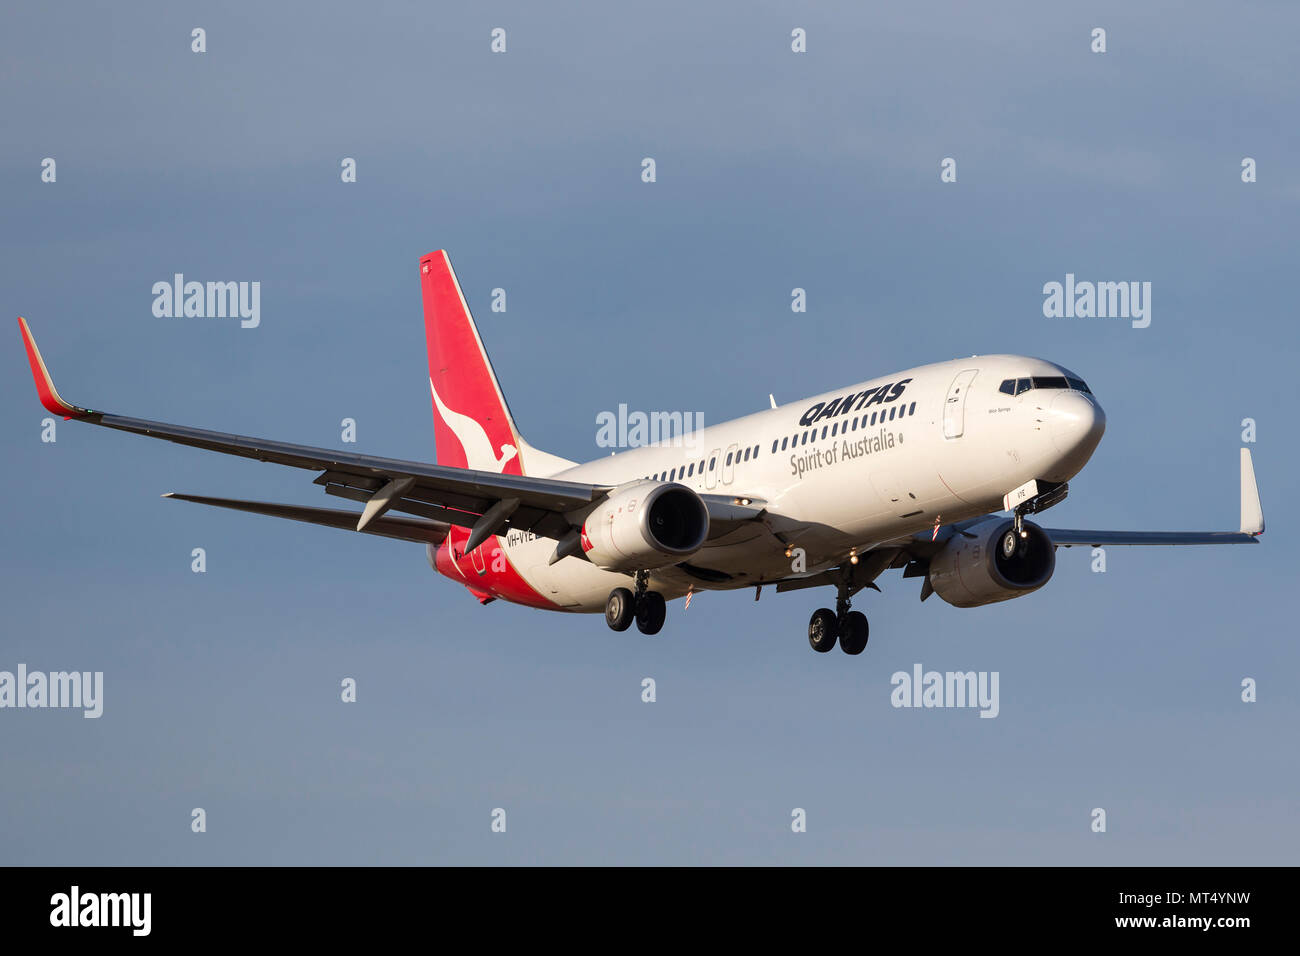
(1076, 423)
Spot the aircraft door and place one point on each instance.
(729, 465)
(711, 469)
(954, 406)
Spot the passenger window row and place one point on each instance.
(747, 454)
(693, 469)
(864, 420)
(843, 428)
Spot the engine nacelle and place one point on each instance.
(971, 571)
(645, 525)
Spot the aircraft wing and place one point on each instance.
(488, 503)
(1252, 524)
(452, 496)
(1069, 537)
(912, 553)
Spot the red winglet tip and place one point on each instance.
(45, 389)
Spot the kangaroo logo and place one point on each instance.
(473, 439)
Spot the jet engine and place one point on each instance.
(988, 562)
(645, 525)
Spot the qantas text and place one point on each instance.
(881, 394)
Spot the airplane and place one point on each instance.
(932, 471)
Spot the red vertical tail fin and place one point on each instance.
(472, 423)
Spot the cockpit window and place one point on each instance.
(1014, 386)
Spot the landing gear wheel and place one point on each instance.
(853, 633)
(822, 630)
(1010, 544)
(650, 612)
(619, 609)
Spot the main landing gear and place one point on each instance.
(848, 627)
(646, 607)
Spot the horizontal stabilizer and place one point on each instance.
(404, 529)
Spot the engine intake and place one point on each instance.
(645, 525)
(989, 567)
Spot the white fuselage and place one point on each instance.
(888, 457)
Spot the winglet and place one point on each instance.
(1252, 514)
(49, 395)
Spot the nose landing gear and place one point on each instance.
(1030, 498)
(1012, 541)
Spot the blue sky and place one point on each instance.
(775, 170)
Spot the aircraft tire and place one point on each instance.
(620, 608)
(823, 629)
(854, 631)
(650, 612)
